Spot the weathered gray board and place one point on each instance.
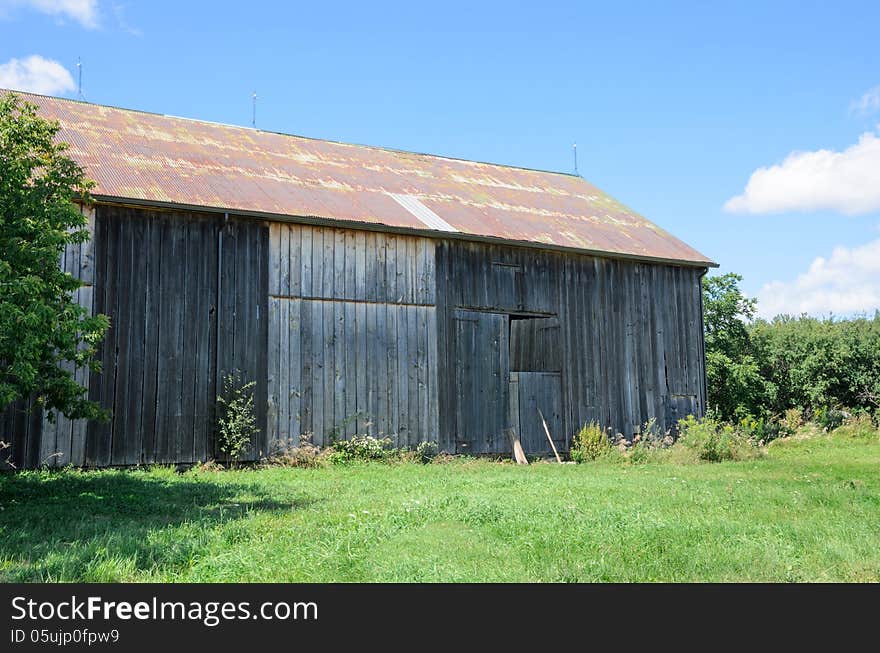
(186, 295)
(480, 382)
(531, 392)
(350, 331)
(351, 336)
(629, 343)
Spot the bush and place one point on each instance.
(300, 454)
(714, 441)
(590, 443)
(859, 427)
(762, 431)
(830, 418)
(362, 448)
(646, 443)
(426, 452)
(793, 420)
(237, 422)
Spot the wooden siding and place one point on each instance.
(186, 296)
(531, 392)
(349, 332)
(351, 346)
(187, 299)
(629, 344)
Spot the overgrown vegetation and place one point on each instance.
(237, 420)
(714, 441)
(357, 449)
(590, 443)
(44, 334)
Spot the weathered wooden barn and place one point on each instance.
(364, 290)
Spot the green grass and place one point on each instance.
(808, 511)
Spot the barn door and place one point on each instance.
(532, 395)
(536, 383)
(481, 371)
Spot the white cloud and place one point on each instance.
(847, 182)
(867, 104)
(847, 282)
(37, 75)
(119, 12)
(85, 12)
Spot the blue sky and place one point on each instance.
(673, 105)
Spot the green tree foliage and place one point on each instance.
(763, 368)
(735, 385)
(817, 364)
(43, 332)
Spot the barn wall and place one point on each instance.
(624, 337)
(186, 296)
(351, 346)
(349, 331)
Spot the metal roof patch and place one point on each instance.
(425, 215)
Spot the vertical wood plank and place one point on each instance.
(317, 380)
(275, 412)
(351, 370)
(306, 261)
(433, 425)
(392, 349)
(360, 331)
(295, 371)
(360, 280)
(338, 363)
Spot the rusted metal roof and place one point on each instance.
(152, 158)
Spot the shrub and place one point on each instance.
(830, 418)
(760, 430)
(360, 448)
(237, 421)
(858, 427)
(647, 442)
(714, 441)
(793, 419)
(302, 453)
(426, 452)
(590, 443)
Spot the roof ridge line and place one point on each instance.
(289, 135)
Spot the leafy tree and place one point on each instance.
(735, 385)
(759, 368)
(816, 364)
(726, 311)
(43, 332)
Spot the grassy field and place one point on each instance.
(807, 511)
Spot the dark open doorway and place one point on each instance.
(536, 383)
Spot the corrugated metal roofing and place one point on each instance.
(154, 158)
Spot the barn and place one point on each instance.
(364, 291)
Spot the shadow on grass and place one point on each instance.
(119, 525)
